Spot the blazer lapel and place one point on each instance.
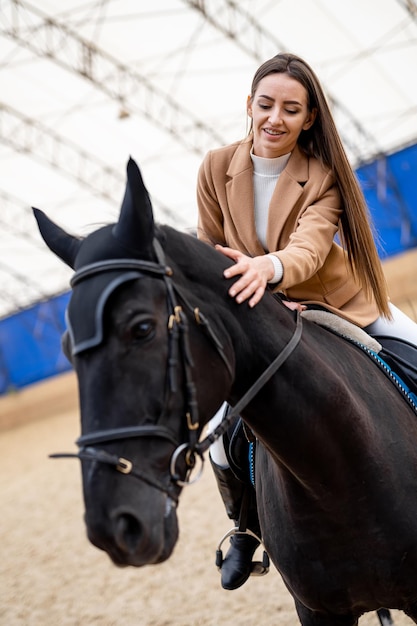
(286, 194)
(240, 198)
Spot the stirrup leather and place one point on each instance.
(259, 568)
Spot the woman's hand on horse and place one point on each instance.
(253, 272)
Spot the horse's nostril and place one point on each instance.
(128, 532)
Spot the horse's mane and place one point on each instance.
(202, 268)
(195, 258)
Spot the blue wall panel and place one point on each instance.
(390, 188)
(30, 344)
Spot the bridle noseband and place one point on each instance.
(178, 346)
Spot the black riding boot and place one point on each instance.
(236, 567)
(237, 564)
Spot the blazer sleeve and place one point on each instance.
(210, 217)
(310, 242)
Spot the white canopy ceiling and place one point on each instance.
(86, 84)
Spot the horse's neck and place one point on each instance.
(283, 414)
(259, 338)
(289, 404)
(326, 413)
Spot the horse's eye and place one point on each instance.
(141, 330)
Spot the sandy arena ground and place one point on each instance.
(51, 576)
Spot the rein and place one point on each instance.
(252, 391)
(178, 346)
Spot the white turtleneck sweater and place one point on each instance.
(265, 177)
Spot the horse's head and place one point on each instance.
(132, 347)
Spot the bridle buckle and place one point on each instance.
(124, 466)
(190, 424)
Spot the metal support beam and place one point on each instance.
(228, 17)
(410, 6)
(29, 136)
(17, 299)
(46, 37)
(14, 218)
(19, 289)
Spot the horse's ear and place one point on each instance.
(135, 228)
(61, 243)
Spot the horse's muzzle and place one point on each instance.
(130, 540)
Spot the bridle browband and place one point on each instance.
(178, 346)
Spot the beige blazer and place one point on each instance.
(303, 219)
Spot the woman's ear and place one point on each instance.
(310, 119)
(249, 106)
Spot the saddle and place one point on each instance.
(401, 356)
(237, 444)
(398, 355)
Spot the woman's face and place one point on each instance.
(279, 113)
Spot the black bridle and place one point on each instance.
(178, 347)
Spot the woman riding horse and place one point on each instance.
(158, 344)
(273, 203)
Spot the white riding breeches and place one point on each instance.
(401, 326)
(217, 453)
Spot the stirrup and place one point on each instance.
(259, 568)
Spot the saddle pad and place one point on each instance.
(342, 327)
(369, 344)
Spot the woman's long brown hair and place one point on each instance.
(322, 141)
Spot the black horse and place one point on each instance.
(158, 345)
